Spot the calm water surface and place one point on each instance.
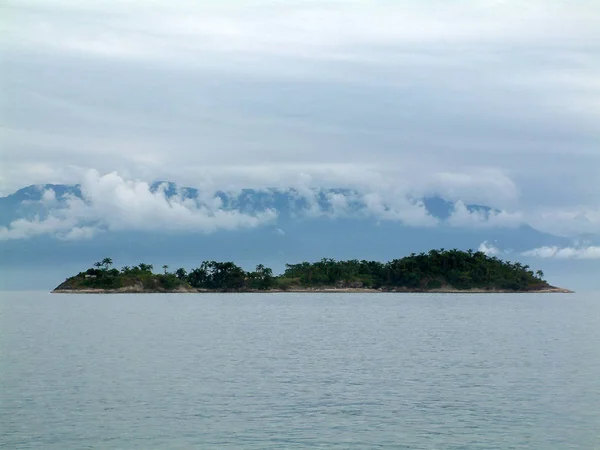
(281, 371)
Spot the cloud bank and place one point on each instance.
(590, 252)
(479, 102)
(585, 252)
(111, 203)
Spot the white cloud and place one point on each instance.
(567, 221)
(475, 185)
(395, 207)
(489, 249)
(479, 101)
(590, 252)
(111, 203)
(381, 202)
(559, 221)
(461, 216)
(151, 30)
(48, 196)
(52, 225)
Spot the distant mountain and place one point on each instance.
(26, 203)
(442, 209)
(295, 235)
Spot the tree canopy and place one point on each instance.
(436, 269)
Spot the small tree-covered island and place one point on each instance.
(435, 271)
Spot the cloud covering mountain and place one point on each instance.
(105, 203)
(395, 118)
(133, 220)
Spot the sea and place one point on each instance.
(299, 370)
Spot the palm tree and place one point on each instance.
(107, 262)
(165, 267)
(98, 264)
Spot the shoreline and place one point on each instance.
(136, 290)
(438, 271)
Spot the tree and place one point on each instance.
(198, 277)
(262, 278)
(459, 269)
(145, 267)
(540, 274)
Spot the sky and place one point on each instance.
(477, 102)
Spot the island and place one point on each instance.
(444, 271)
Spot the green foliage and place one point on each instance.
(261, 278)
(284, 283)
(168, 281)
(434, 284)
(433, 270)
(140, 276)
(213, 275)
(181, 273)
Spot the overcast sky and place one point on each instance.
(495, 102)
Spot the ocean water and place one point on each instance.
(283, 371)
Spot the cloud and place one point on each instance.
(590, 252)
(462, 216)
(567, 221)
(397, 208)
(479, 101)
(112, 203)
(52, 225)
(489, 249)
(304, 28)
(48, 197)
(475, 185)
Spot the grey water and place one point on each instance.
(282, 371)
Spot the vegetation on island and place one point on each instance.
(437, 269)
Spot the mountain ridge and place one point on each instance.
(23, 202)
